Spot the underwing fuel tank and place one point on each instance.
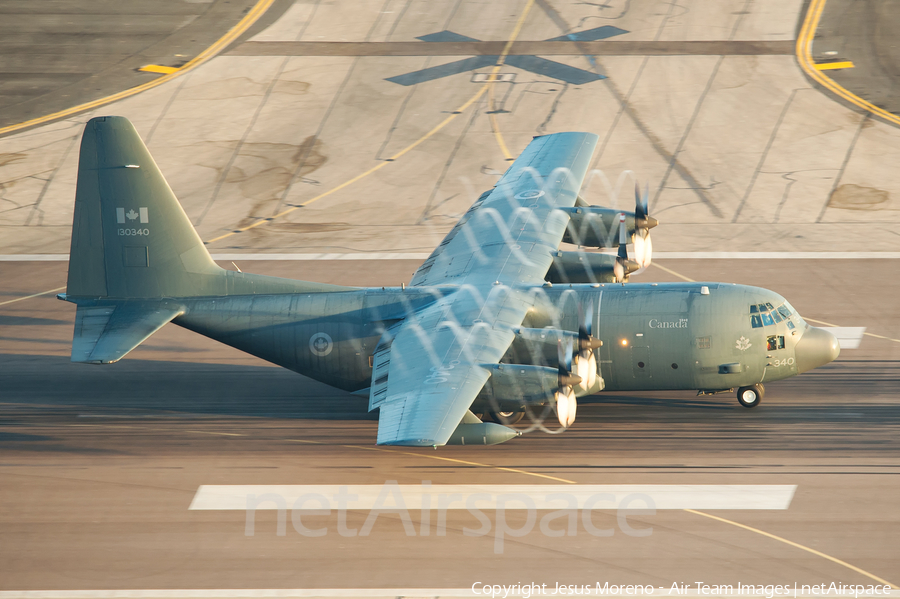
(483, 433)
(472, 431)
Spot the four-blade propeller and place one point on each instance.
(566, 404)
(623, 266)
(584, 362)
(643, 222)
(578, 365)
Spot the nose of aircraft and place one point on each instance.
(816, 348)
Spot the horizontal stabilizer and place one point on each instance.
(105, 333)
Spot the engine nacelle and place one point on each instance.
(594, 226)
(582, 267)
(513, 386)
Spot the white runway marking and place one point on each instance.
(848, 337)
(489, 497)
(423, 256)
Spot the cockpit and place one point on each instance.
(765, 315)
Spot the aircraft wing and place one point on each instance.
(428, 374)
(510, 233)
(429, 369)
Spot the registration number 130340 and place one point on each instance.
(133, 232)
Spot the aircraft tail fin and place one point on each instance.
(131, 239)
(130, 236)
(134, 251)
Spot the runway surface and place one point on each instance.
(319, 135)
(367, 127)
(65, 53)
(100, 464)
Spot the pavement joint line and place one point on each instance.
(804, 56)
(484, 88)
(249, 19)
(797, 545)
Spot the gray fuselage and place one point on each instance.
(655, 336)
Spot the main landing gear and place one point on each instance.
(749, 397)
(506, 418)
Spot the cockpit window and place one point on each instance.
(764, 315)
(774, 342)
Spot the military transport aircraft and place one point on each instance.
(498, 319)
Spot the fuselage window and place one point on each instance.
(767, 319)
(790, 325)
(780, 341)
(754, 308)
(769, 306)
(755, 321)
(784, 311)
(771, 343)
(776, 316)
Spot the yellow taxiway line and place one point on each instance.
(169, 73)
(815, 6)
(797, 545)
(19, 299)
(484, 88)
(804, 55)
(830, 66)
(695, 512)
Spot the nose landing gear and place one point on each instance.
(749, 397)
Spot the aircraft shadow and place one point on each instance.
(141, 387)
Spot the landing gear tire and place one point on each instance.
(506, 418)
(749, 397)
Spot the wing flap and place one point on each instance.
(435, 370)
(106, 333)
(428, 419)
